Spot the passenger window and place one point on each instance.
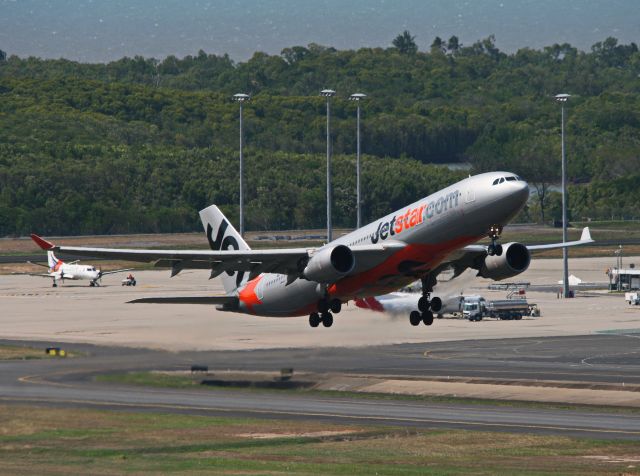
(495, 182)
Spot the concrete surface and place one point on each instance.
(31, 309)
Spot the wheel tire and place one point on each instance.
(436, 304)
(327, 319)
(427, 318)
(423, 304)
(314, 319)
(439, 316)
(491, 250)
(498, 250)
(323, 306)
(335, 306)
(414, 318)
(133, 284)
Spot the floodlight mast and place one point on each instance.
(328, 94)
(241, 98)
(357, 97)
(562, 100)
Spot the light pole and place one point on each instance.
(618, 253)
(357, 97)
(241, 98)
(328, 94)
(562, 99)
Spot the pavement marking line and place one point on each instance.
(331, 415)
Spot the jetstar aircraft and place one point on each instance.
(59, 270)
(416, 242)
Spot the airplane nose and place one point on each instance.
(520, 192)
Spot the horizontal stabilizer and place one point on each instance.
(227, 301)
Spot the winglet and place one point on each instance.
(586, 234)
(42, 243)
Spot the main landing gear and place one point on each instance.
(426, 305)
(323, 315)
(495, 248)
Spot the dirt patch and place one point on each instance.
(311, 434)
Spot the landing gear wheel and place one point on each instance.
(427, 318)
(92, 284)
(414, 318)
(55, 285)
(335, 305)
(424, 304)
(314, 319)
(327, 319)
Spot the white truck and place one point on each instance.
(475, 308)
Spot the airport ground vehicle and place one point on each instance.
(129, 281)
(475, 308)
(632, 298)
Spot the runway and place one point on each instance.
(70, 383)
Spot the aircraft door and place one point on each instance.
(470, 196)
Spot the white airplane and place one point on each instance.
(59, 270)
(416, 242)
(402, 303)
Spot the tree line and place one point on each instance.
(138, 144)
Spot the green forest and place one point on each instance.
(141, 144)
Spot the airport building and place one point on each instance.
(624, 279)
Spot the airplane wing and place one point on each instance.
(103, 273)
(471, 256)
(282, 261)
(584, 239)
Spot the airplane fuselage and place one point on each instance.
(75, 272)
(430, 229)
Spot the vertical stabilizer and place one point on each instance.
(223, 236)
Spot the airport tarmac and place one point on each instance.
(581, 350)
(75, 312)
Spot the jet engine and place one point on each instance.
(330, 264)
(515, 259)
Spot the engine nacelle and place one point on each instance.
(330, 264)
(515, 259)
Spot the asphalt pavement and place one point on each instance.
(603, 359)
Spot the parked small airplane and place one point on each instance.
(416, 242)
(59, 271)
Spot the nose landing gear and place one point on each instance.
(495, 248)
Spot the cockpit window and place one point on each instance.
(495, 182)
(501, 179)
(511, 179)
